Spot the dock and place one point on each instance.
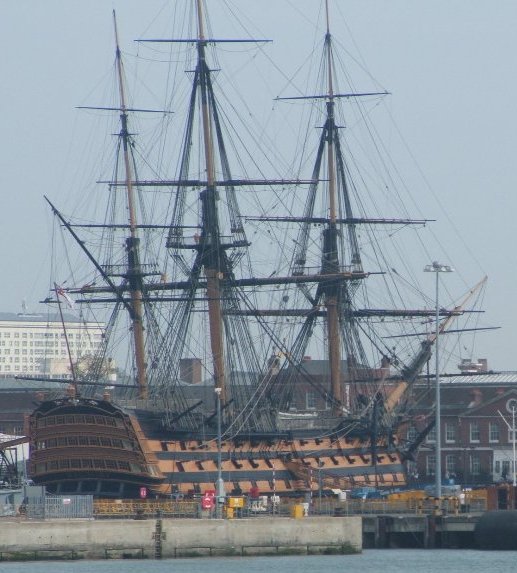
(419, 531)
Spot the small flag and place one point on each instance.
(60, 291)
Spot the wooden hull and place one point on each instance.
(89, 446)
(92, 446)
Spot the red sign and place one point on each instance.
(208, 499)
(143, 492)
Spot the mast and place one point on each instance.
(210, 231)
(343, 268)
(59, 291)
(134, 272)
(331, 264)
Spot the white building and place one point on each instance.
(35, 344)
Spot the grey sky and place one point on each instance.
(450, 65)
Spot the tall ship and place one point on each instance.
(271, 341)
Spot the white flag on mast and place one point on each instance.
(60, 291)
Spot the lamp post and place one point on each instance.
(219, 490)
(320, 465)
(513, 445)
(274, 488)
(438, 268)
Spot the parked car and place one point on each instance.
(367, 492)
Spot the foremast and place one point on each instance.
(335, 294)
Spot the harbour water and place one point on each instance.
(386, 561)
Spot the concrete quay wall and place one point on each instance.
(425, 531)
(153, 538)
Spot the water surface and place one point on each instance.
(378, 561)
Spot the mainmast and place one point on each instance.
(134, 271)
(330, 262)
(210, 238)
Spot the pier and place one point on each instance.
(170, 538)
(154, 529)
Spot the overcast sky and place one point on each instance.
(450, 65)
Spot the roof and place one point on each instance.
(463, 399)
(36, 317)
(10, 384)
(507, 377)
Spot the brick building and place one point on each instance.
(476, 428)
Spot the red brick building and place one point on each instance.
(476, 429)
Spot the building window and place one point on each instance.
(493, 432)
(310, 400)
(505, 472)
(475, 465)
(431, 436)
(450, 464)
(411, 433)
(450, 432)
(431, 465)
(474, 432)
(510, 436)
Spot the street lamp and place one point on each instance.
(513, 444)
(320, 465)
(437, 268)
(219, 490)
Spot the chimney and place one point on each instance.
(468, 366)
(477, 398)
(190, 370)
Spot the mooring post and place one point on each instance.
(430, 532)
(381, 534)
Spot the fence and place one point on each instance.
(450, 506)
(141, 509)
(59, 507)
(83, 506)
